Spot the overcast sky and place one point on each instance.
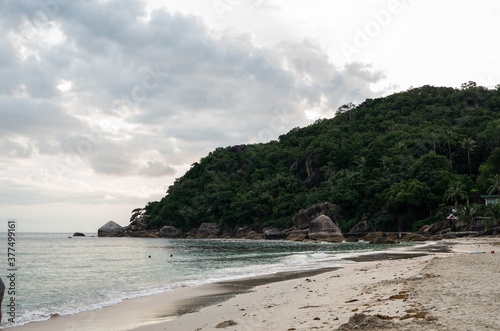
(104, 103)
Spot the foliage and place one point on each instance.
(392, 159)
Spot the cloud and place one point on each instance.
(103, 102)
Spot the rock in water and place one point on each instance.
(170, 232)
(110, 229)
(78, 234)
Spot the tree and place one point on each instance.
(449, 137)
(466, 214)
(494, 213)
(454, 193)
(495, 184)
(469, 145)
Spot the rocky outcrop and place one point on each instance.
(242, 231)
(170, 232)
(272, 233)
(298, 235)
(110, 229)
(208, 230)
(415, 237)
(140, 224)
(364, 226)
(303, 218)
(78, 234)
(322, 228)
(315, 179)
(254, 235)
(372, 235)
(436, 227)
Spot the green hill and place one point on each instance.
(391, 160)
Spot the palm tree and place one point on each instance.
(469, 145)
(454, 193)
(495, 184)
(494, 214)
(466, 215)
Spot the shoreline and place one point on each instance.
(300, 301)
(134, 312)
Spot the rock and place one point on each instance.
(436, 227)
(365, 226)
(352, 239)
(242, 231)
(207, 230)
(225, 324)
(315, 179)
(378, 240)
(273, 233)
(415, 237)
(323, 228)
(367, 322)
(372, 235)
(110, 229)
(298, 235)
(254, 235)
(301, 220)
(170, 232)
(424, 229)
(191, 232)
(78, 234)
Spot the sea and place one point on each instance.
(57, 274)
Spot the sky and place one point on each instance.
(104, 103)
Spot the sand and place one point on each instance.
(438, 291)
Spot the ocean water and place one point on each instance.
(60, 275)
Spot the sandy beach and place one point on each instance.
(452, 287)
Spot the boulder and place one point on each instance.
(382, 241)
(365, 226)
(78, 234)
(297, 235)
(207, 230)
(110, 229)
(352, 239)
(324, 208)
(301, 220)
(372, 235)
(170, 232)
(415, 237)
(436, 227)
(273, 233)
(314, 180)
(242, 231)
(323, 228)
(254, 235)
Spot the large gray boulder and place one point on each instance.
(170, 232)
(208, 230)
(323, 228)
(110, 229)
(303, 218)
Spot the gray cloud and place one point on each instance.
(167, 84)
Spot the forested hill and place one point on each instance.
(393, 160)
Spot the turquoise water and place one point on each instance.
(60, 275)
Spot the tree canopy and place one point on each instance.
(392, 159)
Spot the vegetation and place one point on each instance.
(394, 160)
